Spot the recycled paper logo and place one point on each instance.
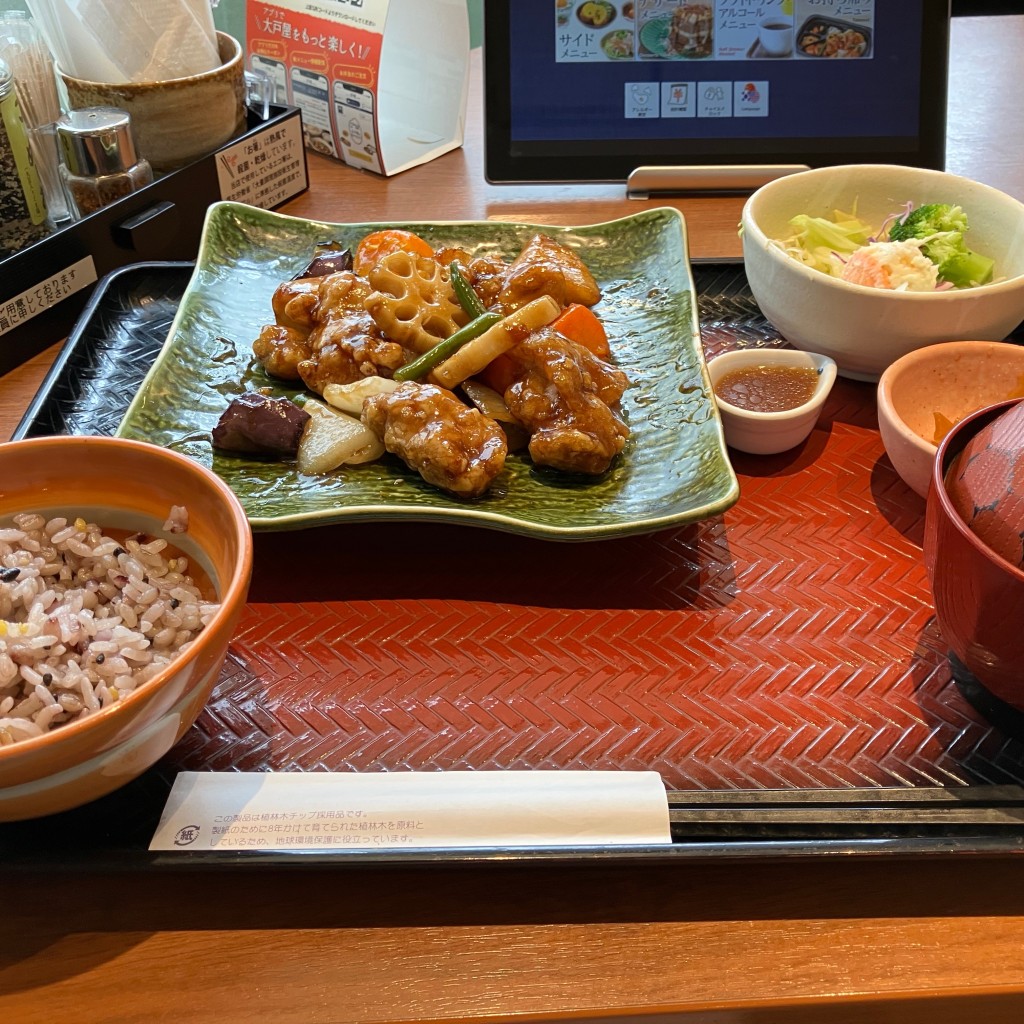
(186, 835)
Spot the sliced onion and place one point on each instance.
(350, 397)
(488, 401)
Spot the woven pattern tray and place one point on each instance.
(789, 644)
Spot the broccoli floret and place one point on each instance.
(940, 228)
(930, 219)
(966, 269)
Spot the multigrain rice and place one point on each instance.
(86, 618)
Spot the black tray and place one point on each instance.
(112, 346)
(87, 392)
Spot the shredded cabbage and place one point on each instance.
(828, 244)
(821, 243)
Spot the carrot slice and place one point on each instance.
(499, 373)
(378, 244)
(581, 324)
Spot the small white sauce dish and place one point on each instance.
(768, 433)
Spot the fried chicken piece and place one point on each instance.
(323, 334)
(345, 344)
(294, 303)
(281, 350)
(448, 253)
(546, 267)
(449, 444)
(282, 345)
(564, 395)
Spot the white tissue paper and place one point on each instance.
(119, 41)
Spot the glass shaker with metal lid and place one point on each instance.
(99, 163)
(23, 217)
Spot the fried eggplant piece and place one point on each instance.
(254, 422)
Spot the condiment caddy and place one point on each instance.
(45, 285)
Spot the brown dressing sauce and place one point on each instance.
(768, 388)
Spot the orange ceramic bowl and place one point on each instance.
(125, 485)
(979, 596)
(945, 381)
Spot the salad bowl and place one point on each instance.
(865, 329)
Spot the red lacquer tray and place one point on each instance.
(787, 645)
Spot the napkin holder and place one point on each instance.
(382, 84)
(45, 286)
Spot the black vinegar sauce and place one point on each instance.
(767, 388)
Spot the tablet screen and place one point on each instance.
(588, 90)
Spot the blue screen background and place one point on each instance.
(809, 99)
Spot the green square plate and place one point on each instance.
(674, 469)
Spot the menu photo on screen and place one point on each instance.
(591, 90)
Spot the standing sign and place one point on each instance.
(382, 84)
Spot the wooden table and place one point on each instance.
(830, 940)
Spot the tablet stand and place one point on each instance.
(644, 181)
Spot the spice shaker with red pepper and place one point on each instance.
(99, 163)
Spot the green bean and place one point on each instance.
(464, 292)
(423, 364)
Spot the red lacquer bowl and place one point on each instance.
(979, 595)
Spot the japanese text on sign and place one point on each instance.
(276, 23)
(20, 308)
(322, 828)
(265, 169)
